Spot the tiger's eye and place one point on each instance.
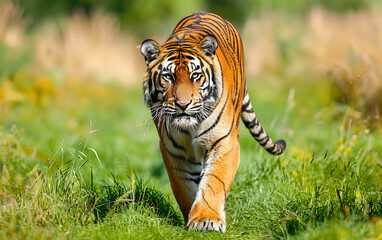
(169, 77)
(196, 76)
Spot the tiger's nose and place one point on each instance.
(183, 104)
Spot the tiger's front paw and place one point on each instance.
(207, 224)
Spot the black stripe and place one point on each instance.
(215, 123)
(197, 173)
(192, 36)
(174, 143)
(214, 91)
(258, 134)
(154, 96)
(196, 181)
(208, 74)
(272, 149)
(217, 141)
(173, 155)
(184, 131)
(180, 157)
(266, 138)
(249, 124)
(171, 58)
(184, 21)
(245, 105)
(159, 81)
(189, 57)
(229, 133)
(248, 110)
(151, 82)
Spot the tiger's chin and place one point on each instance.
(184, 122)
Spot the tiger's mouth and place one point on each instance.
(184, 121)
(186, 117)
(190, 117)
(186, 113)
(183, 114)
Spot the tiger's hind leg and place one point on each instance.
(207, 212)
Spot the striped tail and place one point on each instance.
(252, 123)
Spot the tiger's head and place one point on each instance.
(182, 83)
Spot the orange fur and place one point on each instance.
(195, 87)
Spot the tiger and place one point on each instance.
(195, 89)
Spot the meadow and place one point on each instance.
(78, 159)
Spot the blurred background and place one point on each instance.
(74, 128)
(321, 40)
(69, 67)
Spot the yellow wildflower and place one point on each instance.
(294, 150)
(341, 145)
(347, 151)
(357, 193)
(301, 156)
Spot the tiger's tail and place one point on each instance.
(252, 123)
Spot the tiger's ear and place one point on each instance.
(150, 49)
(209, 45)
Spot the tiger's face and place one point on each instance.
(181, 85)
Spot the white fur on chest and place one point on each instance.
(193, 150)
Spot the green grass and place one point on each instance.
(75, 166)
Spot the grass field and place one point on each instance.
(81, 166)
(78, 161)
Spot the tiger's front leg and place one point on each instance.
(184, 174)
(207, 211)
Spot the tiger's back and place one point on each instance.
(195, 87)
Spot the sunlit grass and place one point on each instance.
(78, 181)
(39, 196)
(78, 161)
